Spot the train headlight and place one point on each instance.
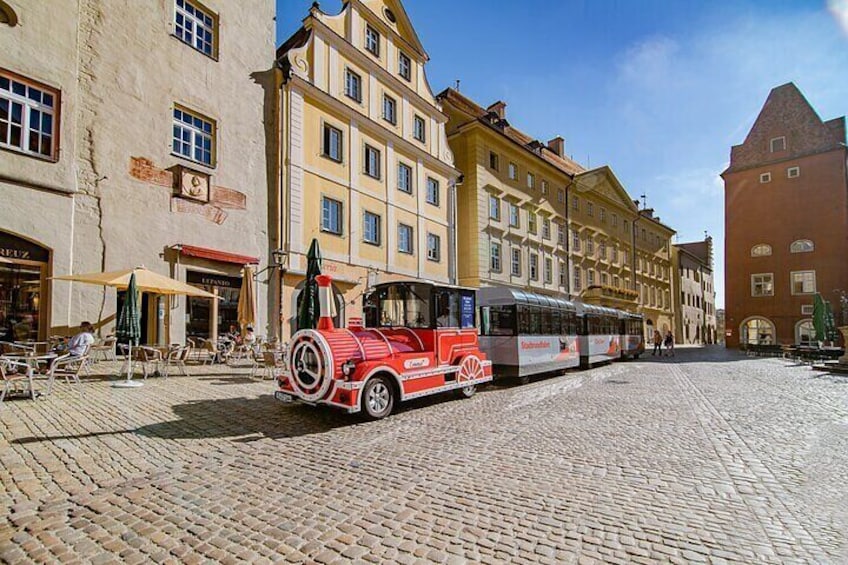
(348, 367)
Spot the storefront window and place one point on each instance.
(20, 302)
(199, 313)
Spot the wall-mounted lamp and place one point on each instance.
(278, 260)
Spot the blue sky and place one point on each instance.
(657, 90)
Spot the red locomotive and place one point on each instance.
(421, 340)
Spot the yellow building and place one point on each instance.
(365, 163)
(531, 218)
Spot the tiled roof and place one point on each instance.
(492, 120)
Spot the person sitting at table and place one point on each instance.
(81, 342)
(249, 338)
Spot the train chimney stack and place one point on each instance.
(325, 298)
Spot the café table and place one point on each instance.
(33, 362)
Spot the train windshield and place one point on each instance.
(404, 305)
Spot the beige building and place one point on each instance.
(121, 145)
(366, 167)
(696, 319)
(530, 217)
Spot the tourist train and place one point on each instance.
(421, 338)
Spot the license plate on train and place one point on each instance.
(283, 397)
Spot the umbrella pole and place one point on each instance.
(129, 383)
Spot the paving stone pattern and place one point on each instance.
(706, 457)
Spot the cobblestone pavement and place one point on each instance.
(706, 457)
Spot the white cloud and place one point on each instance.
(839, 10)
(649, 63)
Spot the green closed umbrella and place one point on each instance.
(819, 317)
(129, 328)
(310, 308)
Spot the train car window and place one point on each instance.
(404, 305)
(447, 308)
(569, 323)
(556, 322)
(501, 320)
(545, 322)
(524, 316)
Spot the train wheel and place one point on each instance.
(470, 370)
(378, 398)
(467, 391)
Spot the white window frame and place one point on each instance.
(807, 309)
(372, 228)
(577, 279)
(196, 26)
(765, 280)
(548, 271)
(514, 216)
(327, 142)
(434, 252)
(513, 171)
(419, 129)
(765, 178)
(515, 261)
(531, 222)
(404, 66)
(563, 274)
(407, 174)
(590, 277)
(533, 265)
(390, 109)
(433, 192)
(494, 208)
(810, 289)
(761, 250)
(369, 163)
(325, 227)
(560, 234)
(546, 228)
(802, 246)
(47, 106)
(197, 133)
(495, 256)
(407, 247)
(372, 41)
(544, 187)
(353, 85)
(531, 180)
(793, 172)
(782, 140)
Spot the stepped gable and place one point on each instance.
(786, 113)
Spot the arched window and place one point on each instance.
(761, 250)
(802, 246)
(7, 15)
(805, 333)
(757, 331)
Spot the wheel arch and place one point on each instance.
(392, 376)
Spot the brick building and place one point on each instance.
(786, 221)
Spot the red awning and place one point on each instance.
(215, 255)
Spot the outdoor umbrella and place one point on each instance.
(147, 281)
(247, 300)
(309, 309)
(129, 328)
(819, 317)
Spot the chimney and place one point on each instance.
(498, 108)
(557, 145)
(325, 298)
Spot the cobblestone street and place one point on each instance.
(706, 457)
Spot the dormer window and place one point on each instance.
(777, 144)
(372, 41)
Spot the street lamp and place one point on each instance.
(278, 259)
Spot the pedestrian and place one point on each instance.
(657, 343)
(669, 344)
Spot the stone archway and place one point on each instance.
(756, 330)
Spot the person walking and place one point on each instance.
(657, 343)
(669, 344)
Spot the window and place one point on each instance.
(577, 279)
(372, 41)
(560, 234)
(802, 246)
(602, 251)
(194, 137)
(590, 209)
(495, 257)
(419, 131)
(404, 66)
(515, 263)
(371, 228)
(405, 238)
(494, 208)
(762, 284)
(534, 266)
(590, 246)
(432, 191)
(806, 309)
(793, 172)
(372, 162)
(626, 225)
(761, 250)
(404, 178)
(803, 282)
(531, 180)
(590, 277)
(563, 274)
(513, 171)
(434, 247)
(777, 144)
(602, 215)
(389, 109)
(614, 221)
(575, 240)
(616, 282)
(604, 279)
(196, 26)
(549, 270)
(561, 196)
(614, 259)
(331, 216)
(353, 85)
(333, 146)
(546, 228)
(493, 160)
(514, 219)
(28, 117)
(544, 187)
(575, 203)
(531, 222)
(765, 177)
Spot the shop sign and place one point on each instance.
(212, 279)
(15, 248)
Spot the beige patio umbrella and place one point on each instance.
(146, 281)
(247, 299)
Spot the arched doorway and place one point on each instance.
(24, 292)
(805, 332)
(756, 331)
(297, 295)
